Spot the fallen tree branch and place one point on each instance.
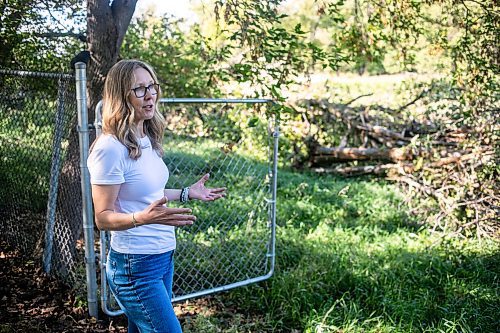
(421, 95)
(383, 131)
(356, 98)
(358, 170)
(457, 158)
(325, 154)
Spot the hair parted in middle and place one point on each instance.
(118, 114)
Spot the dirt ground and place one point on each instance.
(31, 301)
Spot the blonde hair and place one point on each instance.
(118, 115)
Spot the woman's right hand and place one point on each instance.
(159, 213)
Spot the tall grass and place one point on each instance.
(350, 258)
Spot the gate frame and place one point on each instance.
(271, 250)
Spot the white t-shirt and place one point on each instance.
(142, 182)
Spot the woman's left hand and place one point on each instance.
(200, 192)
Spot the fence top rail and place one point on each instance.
(36, 74)
(214, 100)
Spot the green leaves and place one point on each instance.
(32, 35)
(271, 54)
(185, 61)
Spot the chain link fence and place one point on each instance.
(40, 209)
(232, 242)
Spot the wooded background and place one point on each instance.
(388, 195)
(438, 138)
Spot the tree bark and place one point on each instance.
(328, 155)
(106, 27)
(358, 170)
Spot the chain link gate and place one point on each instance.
(232, 243)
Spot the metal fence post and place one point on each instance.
(274, 193)
(88, 221)
(103, 236)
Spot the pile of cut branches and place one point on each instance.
(456, 166)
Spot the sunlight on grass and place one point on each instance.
(350, 258)
(354, 262)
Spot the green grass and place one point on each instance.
(350, 258)
(26, 141)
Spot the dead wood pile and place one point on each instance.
(432, 160)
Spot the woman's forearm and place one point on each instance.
(113, 221)
(172, 194)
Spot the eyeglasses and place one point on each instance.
(140, 92)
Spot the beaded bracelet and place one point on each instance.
(184, 195)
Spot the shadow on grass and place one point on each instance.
(334, 280)
(304, 201)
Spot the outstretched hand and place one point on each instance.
(158, 212)
(200, 192)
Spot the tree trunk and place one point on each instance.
(106, 28)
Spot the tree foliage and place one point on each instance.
(40, 35)
(262, 50)
(185, 63)
(265, 47)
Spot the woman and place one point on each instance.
(128, 179)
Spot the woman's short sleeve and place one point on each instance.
(106, 162)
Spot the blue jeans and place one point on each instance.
(142, 286)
